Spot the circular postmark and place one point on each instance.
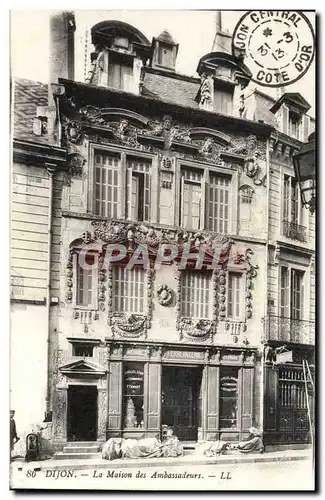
(279, 46)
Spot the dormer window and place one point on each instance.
(223, 97)
(120, 71)
(164, 52)
(294, 124)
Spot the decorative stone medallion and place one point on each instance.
(165, 295)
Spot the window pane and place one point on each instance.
(234, 295)
(195, 293)
(133, 388)
(228, 397)
(106, 184)
(84, 292)
(218, 204)
(128, 283)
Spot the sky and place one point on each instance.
(193, 30)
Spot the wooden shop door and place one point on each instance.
(180, 400)
(82, 413)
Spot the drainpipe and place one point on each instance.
(268, 171)
(50, 171)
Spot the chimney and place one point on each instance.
(62, 28)
(222, 40)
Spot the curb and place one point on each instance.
(166, 462)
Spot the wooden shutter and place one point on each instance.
(306, 128)
(247, 398)
(212, 395)
(115, 396)
(153, 392)
(285, 119)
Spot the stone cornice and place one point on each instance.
(39, 155)
(99, 96)
(92, 217)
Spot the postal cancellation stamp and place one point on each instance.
(279, 46)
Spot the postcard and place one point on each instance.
(163, 214)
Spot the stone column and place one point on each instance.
(102, 414)
(60, 415)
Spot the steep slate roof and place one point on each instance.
(262, 110)
(167, 88)
(175, 89)
(27, 95)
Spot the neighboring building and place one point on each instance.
(151, 157)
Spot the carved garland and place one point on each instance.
(69, 277)
(101, 283)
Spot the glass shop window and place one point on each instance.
(228, 398)
(133, 386)
(83, 350)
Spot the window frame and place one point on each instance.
(207, 169)
(243, 274)
(186, 272)
(95, 282)
(304, 316)
(144, 284)
(124, 154)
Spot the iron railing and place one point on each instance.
(289, 330)
(294, 231)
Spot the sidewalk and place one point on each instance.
(230, 458)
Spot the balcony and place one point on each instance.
(289, 330)
(294, 231)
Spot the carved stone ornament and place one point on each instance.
(206, 91)
(69, 277)
(130, 326)
(166, 163)
(165, 295)
(250, 275)
(196, 329)
(75, 163)
(73, 131)
(123, 232)
(101, 283)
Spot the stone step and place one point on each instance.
(81, 449)
(76, 456)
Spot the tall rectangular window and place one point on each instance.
(106, 184)
(292, 293)
(297, 294)
(286, 197)
(195, 294)
(235, 295)
(191, 198)
(228, 397)
(138, 189)
(133, 391)
(292, 210)
(129, 289)
(85, 281)
(285, 292)
(120, 71)
(218, 204)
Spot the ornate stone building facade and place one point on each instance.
(201, 165)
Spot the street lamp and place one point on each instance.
(305, 169)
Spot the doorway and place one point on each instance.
(82, 413)
(182, 400)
